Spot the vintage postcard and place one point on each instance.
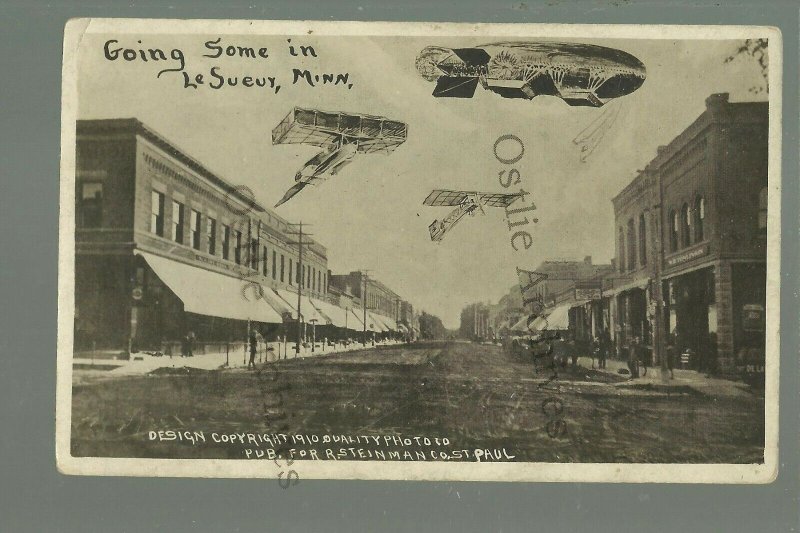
(345, 250)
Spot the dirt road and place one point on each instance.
(475, 396)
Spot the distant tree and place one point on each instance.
(431, 326)
(755, 49)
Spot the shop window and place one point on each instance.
(699, 218)
(226, 242)
(686, 225)
(673, 231)
(177, 221)
(762, 210)
(157, 213)
(194, 229)
(211, 236)
(621, 250)
(631, 245)
(237, 250)
(642, 241)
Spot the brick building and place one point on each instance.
(696, 219)
(165, 246)
(382, 303)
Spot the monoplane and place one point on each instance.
(467, 203)
(342, 136)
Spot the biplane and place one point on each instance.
(579, 74)
(467, 203)
(342, 137)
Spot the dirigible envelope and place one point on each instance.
(579, 74)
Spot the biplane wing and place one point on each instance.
(321, 128)
(443, 197)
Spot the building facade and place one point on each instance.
(704, 197)
(165, 246)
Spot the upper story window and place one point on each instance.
(699, 218)
(253, 254)
(642, 241)
(194, 229)
(264, 257)
(237, 250)
(90, 205)
(674, 227)
(282, 269)
(226, 242)
(177, 221)
(299, 275)
(211, 236)
(291, 271)
(274, 261)
(631, 245)
(686, 225)
(157, 213)
(621, 250)
(762, 210)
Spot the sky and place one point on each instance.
(370, 216)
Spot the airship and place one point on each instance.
(579, 74)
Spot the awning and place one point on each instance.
(557, 319)
(308, 310)
(521, 325)
(402, 327)
(637, 284)
(389, 322)
(374, 323)
(334, 314)
(356, 323)
(208, 293)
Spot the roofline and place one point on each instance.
(136, 126)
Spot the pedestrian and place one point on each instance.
(672, 354)
(605, 347)
(253, 349)
(190, 344)
(633, 357)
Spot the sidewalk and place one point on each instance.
(142, 363)
(683, 378)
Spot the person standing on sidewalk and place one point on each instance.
(633, 357)
(253, 349)
(605, 348)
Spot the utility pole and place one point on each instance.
(299, 244)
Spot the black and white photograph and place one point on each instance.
(412, 251)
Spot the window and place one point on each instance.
(157, 213)
(631, 245)
(226, 242)
(621, 250)
(699, 218)
(194, 229)
(762, 210)
(282, 265)
(211, 236)
(324, 283)
(686, 225)
(177, 222)
(90, 205)
(264, 256)
(237, 251)
(291, 271)
(253, 254)
(274, 256)
(642, 241)
(299, 275)
(673, 231)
